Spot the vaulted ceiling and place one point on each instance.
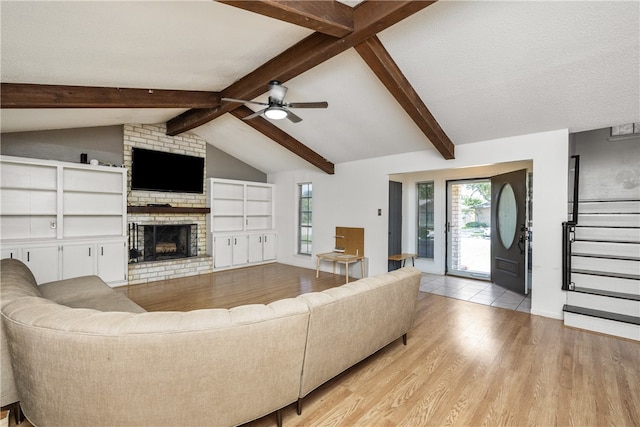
(399, 76)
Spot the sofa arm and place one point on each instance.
(351, 322)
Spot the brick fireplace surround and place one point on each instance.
(185, 208)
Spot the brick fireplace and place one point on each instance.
(145, 214)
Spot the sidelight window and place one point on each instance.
(305, 230)
(425, 219)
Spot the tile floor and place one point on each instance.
(477, 291)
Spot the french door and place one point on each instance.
(487, 229)
(469, 228)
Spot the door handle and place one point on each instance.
(521, 241)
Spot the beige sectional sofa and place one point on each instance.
(83, 354)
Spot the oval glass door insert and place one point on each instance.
(507, 215)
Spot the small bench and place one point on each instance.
(403, 257)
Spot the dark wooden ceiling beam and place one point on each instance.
(19, 95)
(284, 139)
(382, 64)
(369, 18)
(327, 17)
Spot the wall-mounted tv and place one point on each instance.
(162, 171)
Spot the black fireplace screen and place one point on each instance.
(162, 241)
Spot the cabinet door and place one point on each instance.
(43, 261)
(269, 246)
(78, 260)
(240, 250)
(112, 261)
(9, 253)
(222, 250)
(255, 247)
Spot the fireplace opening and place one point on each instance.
(162, 241)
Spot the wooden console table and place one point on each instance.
(342, 258)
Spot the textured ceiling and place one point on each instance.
(484, 69)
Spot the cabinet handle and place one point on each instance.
(265, 239)
(28, 256)
(102, 250)
(235, 241)
(259, 239)
(228, 242)
(89, 251)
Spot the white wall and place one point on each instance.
(352, 196)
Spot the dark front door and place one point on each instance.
(395, 222)
(509, 230)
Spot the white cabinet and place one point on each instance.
(223, 250)
(78, 259)
(9, 252)
(230, 250)
(43, 261)
(112, 261)
(240, 225)
(262, 247)
(240, 250)
(269, 247)
(56, 217)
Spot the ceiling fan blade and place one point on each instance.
(293, 117)
(323, 104)
(243, 101)
(254, 115)
(277, 91)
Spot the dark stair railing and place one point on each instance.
(569, 228)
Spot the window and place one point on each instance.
(425, 219)
(305, 232)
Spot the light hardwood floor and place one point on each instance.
(464, 364)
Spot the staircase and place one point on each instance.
(604, 293)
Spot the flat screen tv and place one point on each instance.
(161, 171)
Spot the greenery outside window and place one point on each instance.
(425, 219)
(305, 207)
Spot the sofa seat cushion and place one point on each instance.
(68, 290)
(88, 292)
(110, 302)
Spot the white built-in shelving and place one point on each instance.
(64, 219)
(240, 226)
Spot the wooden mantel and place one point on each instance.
(167, 210)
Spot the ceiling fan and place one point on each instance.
(276, 108)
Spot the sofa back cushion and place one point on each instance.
(351, 322)
(16, 281)
(76, 366)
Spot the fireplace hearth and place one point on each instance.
(159, 242)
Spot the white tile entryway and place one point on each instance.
(478, 291)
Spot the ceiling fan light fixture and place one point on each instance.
(275, 113)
